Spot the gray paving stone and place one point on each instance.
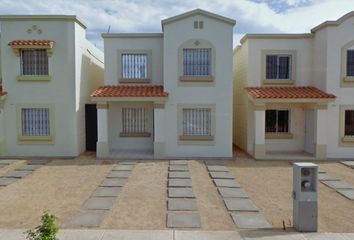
(240, 204)
(230, 183)
(179, 175)
(7, 161)
(183, 220)
(17, 174)
(178, 168)
(250, 220)
(37, 161)
(182, 204)
(29, 167)
(338, 184)
(127, 162)
(6, 181)
(326, 176)
(99, 203)
(221, 175)
(217, 169)
(178, 162)
(113, 182)
(214, 162)
(232, 192)
(180, 193)
(179, 183)
(1, 166)
(123, 168)
(89, 219)
(348, 163)
(349, 193)
(118, 174)
(107, 192)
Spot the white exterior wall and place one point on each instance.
(63, 92)
(219, 35)
(113, 45)
(117, 143)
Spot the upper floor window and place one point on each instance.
(278, 66)
(197, 61)
(350, 63)
(277, 121)
(34, 62)
(134, 66)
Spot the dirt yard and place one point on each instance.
(269, 185)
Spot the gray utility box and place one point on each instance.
(305, 209)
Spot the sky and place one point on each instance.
(252, 16)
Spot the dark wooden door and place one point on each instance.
(91, 126)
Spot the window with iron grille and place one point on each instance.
(135, 120)
(197, 122)
(350, 63)
(34, 62)
(277, 121)
(35, 122)
(197, 61)
(349, 123)
(278, 66)
(134, 66)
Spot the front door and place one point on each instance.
(91, 126)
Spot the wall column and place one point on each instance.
(159, 130)
(320, 133)
(259, 132)
(102, 130)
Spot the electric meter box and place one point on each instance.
(305, 208)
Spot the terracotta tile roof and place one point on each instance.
(48, 43)
(287, 92)
(2, 92)
(130, 91)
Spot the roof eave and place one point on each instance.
(128, 99)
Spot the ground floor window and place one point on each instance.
(277, 121)
(134, 121)
(349, 123)
(196, 122)
(35, 122)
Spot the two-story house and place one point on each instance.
(293, 93)
(48, 70)
(169, 94)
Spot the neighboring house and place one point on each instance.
(48, 70)
(169, 94)
(294, 93)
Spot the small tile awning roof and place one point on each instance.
(288, 92)
(2, 92)
(43, 43)
(130, 91)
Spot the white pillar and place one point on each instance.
(159, 130)
(102, 130)
(259, 133)
(320, 133)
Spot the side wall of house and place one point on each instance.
(58, 93)
(88, 77)
(240, 99)
(219, 93)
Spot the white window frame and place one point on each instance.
(23, 139)
(135, 122)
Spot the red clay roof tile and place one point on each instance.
(130, 91)
(2, 92)
(288, 92)
(48, 43)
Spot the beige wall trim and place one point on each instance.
(159, 150)
(279, 135)
(30, 78)
(321, 151)
(159, 105)
(259, 151)
(290, 52)
(292, 100)
(196, 78)
(135, 81)
(276, 36)
(102, 106)
(145, 134)
(196, 138)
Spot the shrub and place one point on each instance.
(47, 230)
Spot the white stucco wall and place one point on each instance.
(117, 143)
(60, 92)
(113, 44)
(219, 35)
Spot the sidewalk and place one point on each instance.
(17, 234)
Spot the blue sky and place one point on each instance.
(252, 16)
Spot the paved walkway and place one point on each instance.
(342, 187)
(67, 234)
